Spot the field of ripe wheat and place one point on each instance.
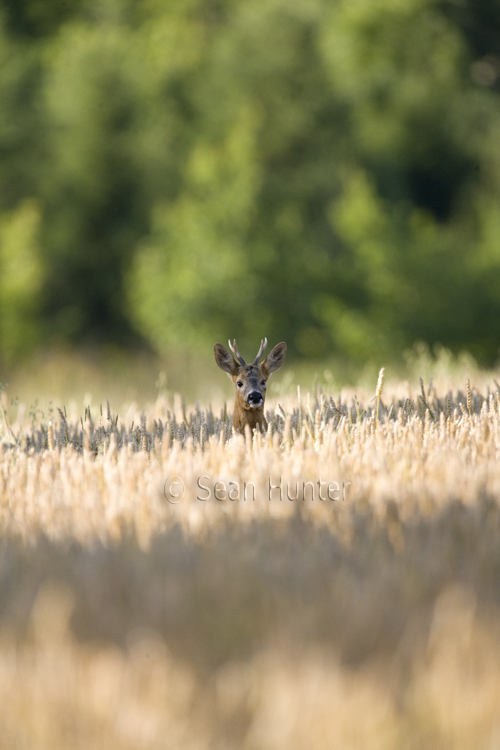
(333, 583)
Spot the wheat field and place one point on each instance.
(334, 583)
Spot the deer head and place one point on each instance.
(249, 381)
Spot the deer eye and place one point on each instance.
(263, 382)
(239, 384)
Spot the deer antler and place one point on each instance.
(236, 353)
(263, 345)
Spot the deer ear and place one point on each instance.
(225, 359)
(275, 359)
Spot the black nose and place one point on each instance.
(254, 397)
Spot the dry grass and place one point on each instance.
(134, 614)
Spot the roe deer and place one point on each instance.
(249, 381)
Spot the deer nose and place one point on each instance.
(255, 397)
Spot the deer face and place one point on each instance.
(249, 380)
(250, 383)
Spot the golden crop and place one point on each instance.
(333, 583)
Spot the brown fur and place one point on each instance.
(253, 379)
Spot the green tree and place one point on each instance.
(324, 173)
(20, 281)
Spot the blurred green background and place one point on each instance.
(177, 172)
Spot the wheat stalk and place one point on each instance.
(378, 390)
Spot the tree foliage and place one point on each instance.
(324, 173)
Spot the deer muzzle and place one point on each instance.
(255, 399)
